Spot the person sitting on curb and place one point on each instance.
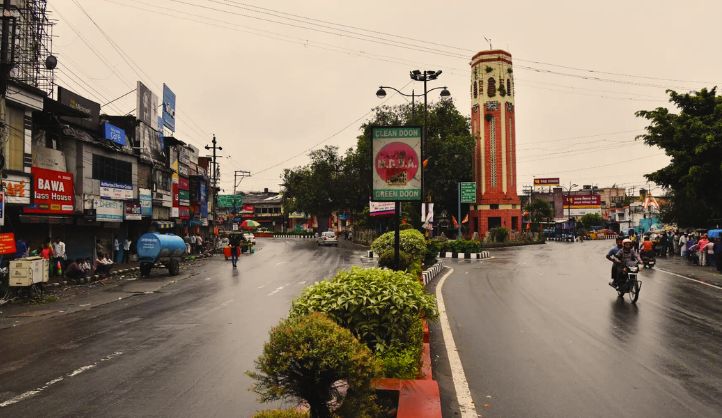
(74, 270)
(103, 265)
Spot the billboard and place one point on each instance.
(17, 189)
(53, 192)
(146, 202)
(114, 134)
(133, 210)
(119, 191)
(396, 157)
(230, 201)
(82, 104)
(582, 201)
(147, 104)
(150, 140)
(551, 181)
(107, 210)
(168, 108)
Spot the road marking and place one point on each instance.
(689, 278)
(461, 386)
(278, 289)
(302, 282)
(281, 262)
(79, 370)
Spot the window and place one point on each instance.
(491, 87)
(494, 206)
(508, 87)
(15, 146)
(475, 90)
(110, 169)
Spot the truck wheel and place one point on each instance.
(174, 267)
(145, 269)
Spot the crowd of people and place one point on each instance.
(194, 243)
(695, 247)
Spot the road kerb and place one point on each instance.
(461, 385)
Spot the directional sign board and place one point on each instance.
(468, 192)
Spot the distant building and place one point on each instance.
(492, 125)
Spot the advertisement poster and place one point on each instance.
(397, 170)
(7, 243)
(114, 134)
(151, 141)
(168, 108)
(17, 189)
(582, 204)
(53, 192)
(381, 208)
(547, 181)
(203, 198)
(2, 208)
(118, 191)
(133, 210)
(107, 210)
(146, 202)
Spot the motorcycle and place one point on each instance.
(632, 285)
(649, 259)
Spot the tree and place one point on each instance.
(592, 219)
(693, 140)
(310, 357)
(539, 211)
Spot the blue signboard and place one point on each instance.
(168, 108)
(203, 200)
(146, 202)
(114, 134)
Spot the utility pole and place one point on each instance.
(6, 64)
(214, 180)
(239, 174)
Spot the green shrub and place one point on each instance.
(411, 241)
(498, 234)
(387, 260)
(304, 359)
(379, 306)
(281, 413)
(404, 227)
(462, 246)
(404, 362)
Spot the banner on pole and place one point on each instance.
(397, 171)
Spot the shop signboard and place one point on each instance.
(17, 189)
(551, 181)
(203, 198)
(2, 208)
(107, 210)
(53, 192)
(168, 108)
(183, 170)
(82, 104)
(183, 198)
(133, 210)
(247, 211)
(114, 134)
(381, 208)
(117, 191)
(396, 159)
(580, 201)
(297, 215)
(7, 243)
(184, 212)
(146, 202)
(194, 185)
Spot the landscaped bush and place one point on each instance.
(281, 413)
(379, 306)
(387, 260)
(411, 241)
(308, 357)
(498, 234)
(404, 362)
(404, 227)
(462, 246)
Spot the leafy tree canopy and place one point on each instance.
(693, 139)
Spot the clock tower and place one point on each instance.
(492, 125)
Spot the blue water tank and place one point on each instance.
(153, 246)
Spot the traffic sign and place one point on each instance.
(468, 192)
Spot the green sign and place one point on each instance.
(468, 192)
(230, 201)
(397, 165)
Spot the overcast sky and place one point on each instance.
(272, 83)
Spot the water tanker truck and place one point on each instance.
(156, 248)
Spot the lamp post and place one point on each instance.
(424, 76)
(569, 205)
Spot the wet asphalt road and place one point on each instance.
(180, 352)
(541, 334)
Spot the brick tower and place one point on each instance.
(492, 124)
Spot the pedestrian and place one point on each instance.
(117, 251)
(235, 242)
(193, 240)
(683, 245)
(199, 243)
(126, 249)
(718, 253)
(99, 247)
(710, 252)
(663, 245)
(702, 250)
(21, 248)
(59, 256)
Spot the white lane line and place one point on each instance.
(79, 370)
(302, 282)
(461, 386)
(278, 289)
(281, 262)
(689, 278)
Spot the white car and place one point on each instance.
(328, 238)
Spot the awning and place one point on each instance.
(164, 224)
(44, 219)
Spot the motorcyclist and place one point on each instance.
(647, 247)
(610, 256)
(627, 257)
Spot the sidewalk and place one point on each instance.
(678, 265)
(61, 297)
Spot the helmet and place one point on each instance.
(627, 240)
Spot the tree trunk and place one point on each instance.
(322, 222)
(319, 410)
